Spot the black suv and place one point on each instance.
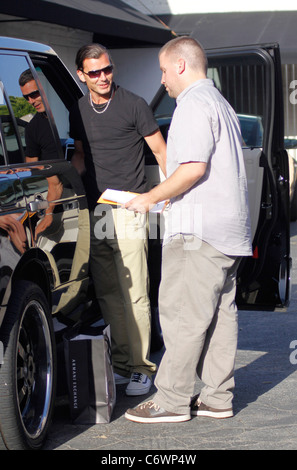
(44, 220)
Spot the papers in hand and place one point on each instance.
(116, 197)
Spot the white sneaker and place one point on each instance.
(120, 379)
(139, 384)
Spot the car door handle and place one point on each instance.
(38, 205)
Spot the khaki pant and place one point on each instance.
(198, 318)
(118, 265)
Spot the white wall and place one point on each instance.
(138, 70)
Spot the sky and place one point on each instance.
(178, 7)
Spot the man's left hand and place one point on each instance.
(141, 203)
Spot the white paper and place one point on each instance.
(118, 196)
(121, 197)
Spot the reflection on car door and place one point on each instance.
(59, 225)
(44, 219)
(44, 237)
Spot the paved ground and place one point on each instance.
(265, 401)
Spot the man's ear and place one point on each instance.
(81, 76)
(180, 66)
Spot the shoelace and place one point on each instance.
(149, 404)
(137, 377)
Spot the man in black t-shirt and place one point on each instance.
(40, 143)
(109, 126)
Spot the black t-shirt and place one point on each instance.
(39, 139)
(113, 142)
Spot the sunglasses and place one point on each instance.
(33, 95)
(96, 73)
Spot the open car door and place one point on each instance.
(250, 79)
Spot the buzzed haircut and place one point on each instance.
(189, 49)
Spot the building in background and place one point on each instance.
(66, 25)
(136, 29)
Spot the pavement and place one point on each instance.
(265, 402)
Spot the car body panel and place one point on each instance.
(58, 240)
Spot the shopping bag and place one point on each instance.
(90, 378)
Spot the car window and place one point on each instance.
(165, 106)
(242, 84)
(17, 112)
(60, 97)
(57, 107)
(10, 146)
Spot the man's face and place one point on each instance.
(100, 85)
(169, 78)
(31, 93)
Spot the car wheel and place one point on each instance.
(28, 372)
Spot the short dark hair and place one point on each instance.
(26, 77)
(90, 51)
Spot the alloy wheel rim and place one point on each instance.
(34, 370)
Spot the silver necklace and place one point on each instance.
(106, 106)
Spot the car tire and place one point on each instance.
(28, 372)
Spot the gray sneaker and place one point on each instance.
(200, 409)
(120, 379)
(139, 384)
(150, 412)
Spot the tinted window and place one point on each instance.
(57, 107)
(60, 95)
(10, 148)
(11, 68)
(242, 83)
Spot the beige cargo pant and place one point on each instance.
(118, 263)
(198, 318)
